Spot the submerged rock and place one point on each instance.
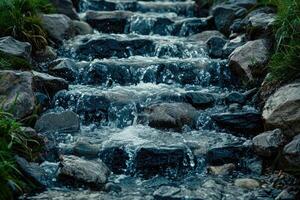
(66, 121)
(76, 171)
(282, 109)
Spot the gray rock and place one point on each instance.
(291, 151)
(200, 100)
(224, 16)
(82, 28)
(221, 170)
(247, 61)
(64, 68)
(260, 24)
(235, 97)
(13, 47)
(171, 115)
(268, 143)
(86, 149)
(66, 121)
(16, 92)
(231, 45)
(282, 109)
(45, 55)
(58, 26)
(48, 84)
(32, 171)
(215, 46)
(65, 7)
(287, 194)
(247, 183)
(206, 35)
(76, 171)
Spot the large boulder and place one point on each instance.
(48, 84)
(65, 7)
(224, 16)
(82, 28)
(58, 26)
(247, 61)
(260, 24)
(171, 115)
(13, 47)
(76, 171)
(292, 151)
(282, 109)
(65, 68)
(268, 143)
(16, 92)
(66, 121)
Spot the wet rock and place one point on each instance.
(171, 115)
(115, 157)
(205, 36)
(268, 143)
(171, 161)
(287, 194)
(224, 16)
(215, 46)
(65, 7)
(82, 28)
(221, 170)
(42, 100)
(231, 45)
(282, 109)
(13, 47)
(75, 170)
(86, 149)
(48, 84)
(235, 97)
(199, 100)
(108, 5)
(247, 61)
(16, 91)
(234, 107)
(108, 22)
(64, 68)
(226, 155)
(32, 171)
(260, 25)
(247, 123)
(66, 121)
(191, 26)
(111, 187)
(247, 183)
(58, 26)
(291, 151)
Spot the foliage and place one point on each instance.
(19, 18)
(284, 64)
(13, 62)
(12, 141)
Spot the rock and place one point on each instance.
(171, 115)
(234, 107)
(64, 68)
(261, 24)
(42, 100)
(215, 46)
(48, 84)
(268, 143)
(199, 100)
(282, 109)
(224, 16)
(221, 170)
(108, 22)
(245, 123)
(190, 26)
(231, 45)
(66, 121)
(58, 26)
(291, 151)
(82, 28)
(32, 171)
(74, 170)
(45, 55)
(235, 97)
(16, 92)
(287, 194)
(247, 183)
(13, 47)
(86, 149)
(111, 187)
(247, 61)
(65, 7)
(206, 35)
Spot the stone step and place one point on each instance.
(89, 47)
(146, 23)
(180, 8)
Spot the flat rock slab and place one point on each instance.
(13, 47)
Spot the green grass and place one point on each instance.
(19, 18)
(284, 65)
(12, 141)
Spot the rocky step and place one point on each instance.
(89, 47)
(141, 150)
(136, 69)
(179, 8)
(146, 23)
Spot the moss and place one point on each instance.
(24, 22)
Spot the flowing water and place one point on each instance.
(121, 75)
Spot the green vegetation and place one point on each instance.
(12, 141)
(12, 62)
(284, 64)
(19, 18)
